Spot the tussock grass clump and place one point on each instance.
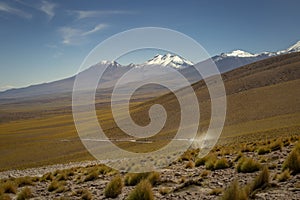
(84, 194)
(263, 150)
(9, 187)
(272, 166)
(238, 157)
(57, 172)
(61, 189)
(69, 172)
(142, 191)
(216, 191)
(210, 164)
(286, 142)
(103, 169)
(247, 148)
(276, 145)
(5, 197)
(190, 165)
(92, 175)
(262, 180)
(200, 161)
(284, 176)
(221, 164)
(204, 173)
(132, 179)
(154, 178)
(292, 162)
(47, 177)
(247, 165)
(165, 190)
(54, 185)
(224, 151)
(114, 187)
(234, 192)
(62, 176)
(23, 181)
(210, 161)
(25, 194)
(189, 155)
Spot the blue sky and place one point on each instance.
(42, 41)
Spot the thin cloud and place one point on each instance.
(82, 14)
(70, 35)
(75, 36)
(11, 10)
(48, 8)
(96, 29)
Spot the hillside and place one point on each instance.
(263, 102)
(225, 62)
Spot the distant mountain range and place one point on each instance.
(225, 62)
(238, 58)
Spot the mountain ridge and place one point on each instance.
(225, 62)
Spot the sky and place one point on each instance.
(42, 40)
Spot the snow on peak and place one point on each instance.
(170, 60)
(239, 53)
(112, 63)
(294, 48)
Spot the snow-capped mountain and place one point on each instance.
(237, 58)
(239, 53)
(225, 62)
(291, 49)
(110, 63)
(170, 60)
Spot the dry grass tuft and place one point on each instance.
(200, 161)
(292, 162)
(9, 187)
(132, 179)
(221, 164)
(142, 191)
(57, 186)
(25, 194)
(210, 161)
(5, 197)
(190, 165)
(262, 180)
(247, 165)
(154, 178)
(238, 157)
(165, 190)
(114, 187)
(216, 191)
(234, 192)
(23, 181)
(47, 177)
(84, 194)
(189, 155)
(204, 173)
(263, 150)
(92, 175)
(247, 148)
(276, 145)
(284, 176)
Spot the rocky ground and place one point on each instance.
(181, 180)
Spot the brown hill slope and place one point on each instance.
(263, 101)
